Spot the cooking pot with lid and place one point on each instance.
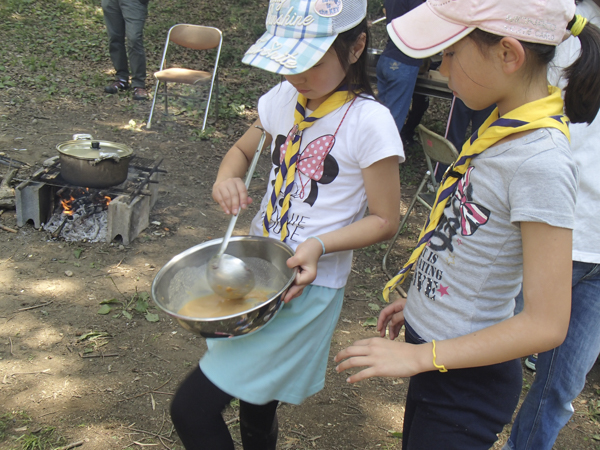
(94, 163)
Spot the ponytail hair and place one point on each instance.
(582, 94)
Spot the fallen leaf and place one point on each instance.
(141, 305)
(152, 317)
(108, 302)
(104, 309)
(370, 322)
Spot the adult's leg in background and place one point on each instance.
(462, 116)
(196, 412)
(458, 124)
(381, 81)
(134, 15)
(258, 425)
(561, 373)
(398, 82)
(418, 108)
(115, 28)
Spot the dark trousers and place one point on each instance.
(462, 409)
(418, 108)
(125, 25)
(196, 412)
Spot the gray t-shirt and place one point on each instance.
(470, 272)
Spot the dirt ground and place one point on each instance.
(69, 375)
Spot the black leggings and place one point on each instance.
(197, 409)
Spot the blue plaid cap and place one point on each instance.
(299, 33)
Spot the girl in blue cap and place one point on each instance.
(334, 150)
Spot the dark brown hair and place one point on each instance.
(357, 78)
(582, 94)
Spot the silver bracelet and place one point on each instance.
(318, 239)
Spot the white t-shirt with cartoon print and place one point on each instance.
(329, 192)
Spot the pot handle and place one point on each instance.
(82, 137)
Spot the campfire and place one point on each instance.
(81, 214)
(89, 214)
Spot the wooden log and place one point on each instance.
(7, 194)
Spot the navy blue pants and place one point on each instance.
(462, 409)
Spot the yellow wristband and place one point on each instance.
(440, 367)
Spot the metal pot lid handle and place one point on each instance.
(94, 149)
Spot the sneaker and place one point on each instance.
(116, 86)
(531, 361)
(140, 93)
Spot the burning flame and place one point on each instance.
(67, 206)
(76, 196)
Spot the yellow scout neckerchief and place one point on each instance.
(544, 113)
(287, 170)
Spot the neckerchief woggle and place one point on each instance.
(287, 170)
(543, 113)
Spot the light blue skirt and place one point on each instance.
(287, 359)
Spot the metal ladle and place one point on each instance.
(227, 275)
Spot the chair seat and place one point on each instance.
(186, 76)
(428, 197)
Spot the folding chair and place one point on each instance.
(438, 149)
(195, 37)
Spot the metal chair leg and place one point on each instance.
(166, 94)
(400, 227)
(211, 89)
(216, 98)
(205, 109)
(149, 124)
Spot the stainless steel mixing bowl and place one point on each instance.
(183, 279)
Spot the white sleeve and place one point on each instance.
(275, 103)
(376, 135)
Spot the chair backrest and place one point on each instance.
(436, 148)
(196, 37)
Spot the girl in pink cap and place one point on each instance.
(503, 219)
(334, 150)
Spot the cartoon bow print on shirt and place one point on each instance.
(311, 161)
(472, 215)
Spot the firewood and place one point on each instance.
(7, 194)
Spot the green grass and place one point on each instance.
(57, 50)
(18, 432)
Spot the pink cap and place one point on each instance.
(437, 24)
